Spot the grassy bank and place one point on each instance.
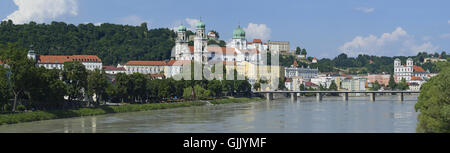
(58, 114)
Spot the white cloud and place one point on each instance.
(42, 10)
(427, 38)
(192, 23)
(365, 10)
(399, 42)
(132, 20)
(258, 31)
(445, 35)
(448, 21)
(425, 47)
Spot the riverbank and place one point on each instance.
(59, 114)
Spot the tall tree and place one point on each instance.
(375, 86)
(304, 52)
(392, 85)
(434, 104)
(97, 84)
(75, 76)
(298, 51)
(20, 69)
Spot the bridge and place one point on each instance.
(320, 94)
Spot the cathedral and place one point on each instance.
(238, 50)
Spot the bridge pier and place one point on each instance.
(269, 96)
(319, 97)
(401, 97)
(372, 96)
(345, 96)
(293, 97)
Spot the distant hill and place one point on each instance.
(112, 43)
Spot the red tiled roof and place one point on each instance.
(113, 68)
(54, 59)
(257, 41)
(418, 69)
(179, 62)
(414, 78)
(295, 63)
(309, 83)
(86, 58)
(51, 59)
(147, 63)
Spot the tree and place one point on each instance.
(121, 87)
(392, 85)
(298, 51)
(75, 76)
(403, 85)
(375, 86)
(333, 87)
(302, 88)
(5, 92)
(257, 86)
(434, 104)
(201, 93)
(304, 52)
(215, 86)
(443, 55)
(137, 86)
(113, 43)
(244, 87)
(97, 84)
(20, 69)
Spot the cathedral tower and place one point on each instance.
(200, 43)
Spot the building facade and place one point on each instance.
(281, 47)
(91, 62)
(305, 73)
(145, 67)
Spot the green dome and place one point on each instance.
(200, 25)
(239, 33)
(181, 28)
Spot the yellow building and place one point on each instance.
(255, 72)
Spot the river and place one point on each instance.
(332, 115)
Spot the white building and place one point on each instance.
(295, 71)
(145, 67)
(91, 62)
(403, 71)
(238, 50)
(114, 70)
(408, 71)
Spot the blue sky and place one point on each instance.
(325, 28)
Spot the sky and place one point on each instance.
(326, 28)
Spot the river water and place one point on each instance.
(332, 115)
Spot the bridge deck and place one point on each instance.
(337, 92)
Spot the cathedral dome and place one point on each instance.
(182, 28)
(239, 33)
(200, 25)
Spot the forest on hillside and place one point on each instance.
(112, 43)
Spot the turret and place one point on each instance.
(397, 62)
(409, 62)
(31, 55)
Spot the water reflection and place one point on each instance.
(331, 115)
